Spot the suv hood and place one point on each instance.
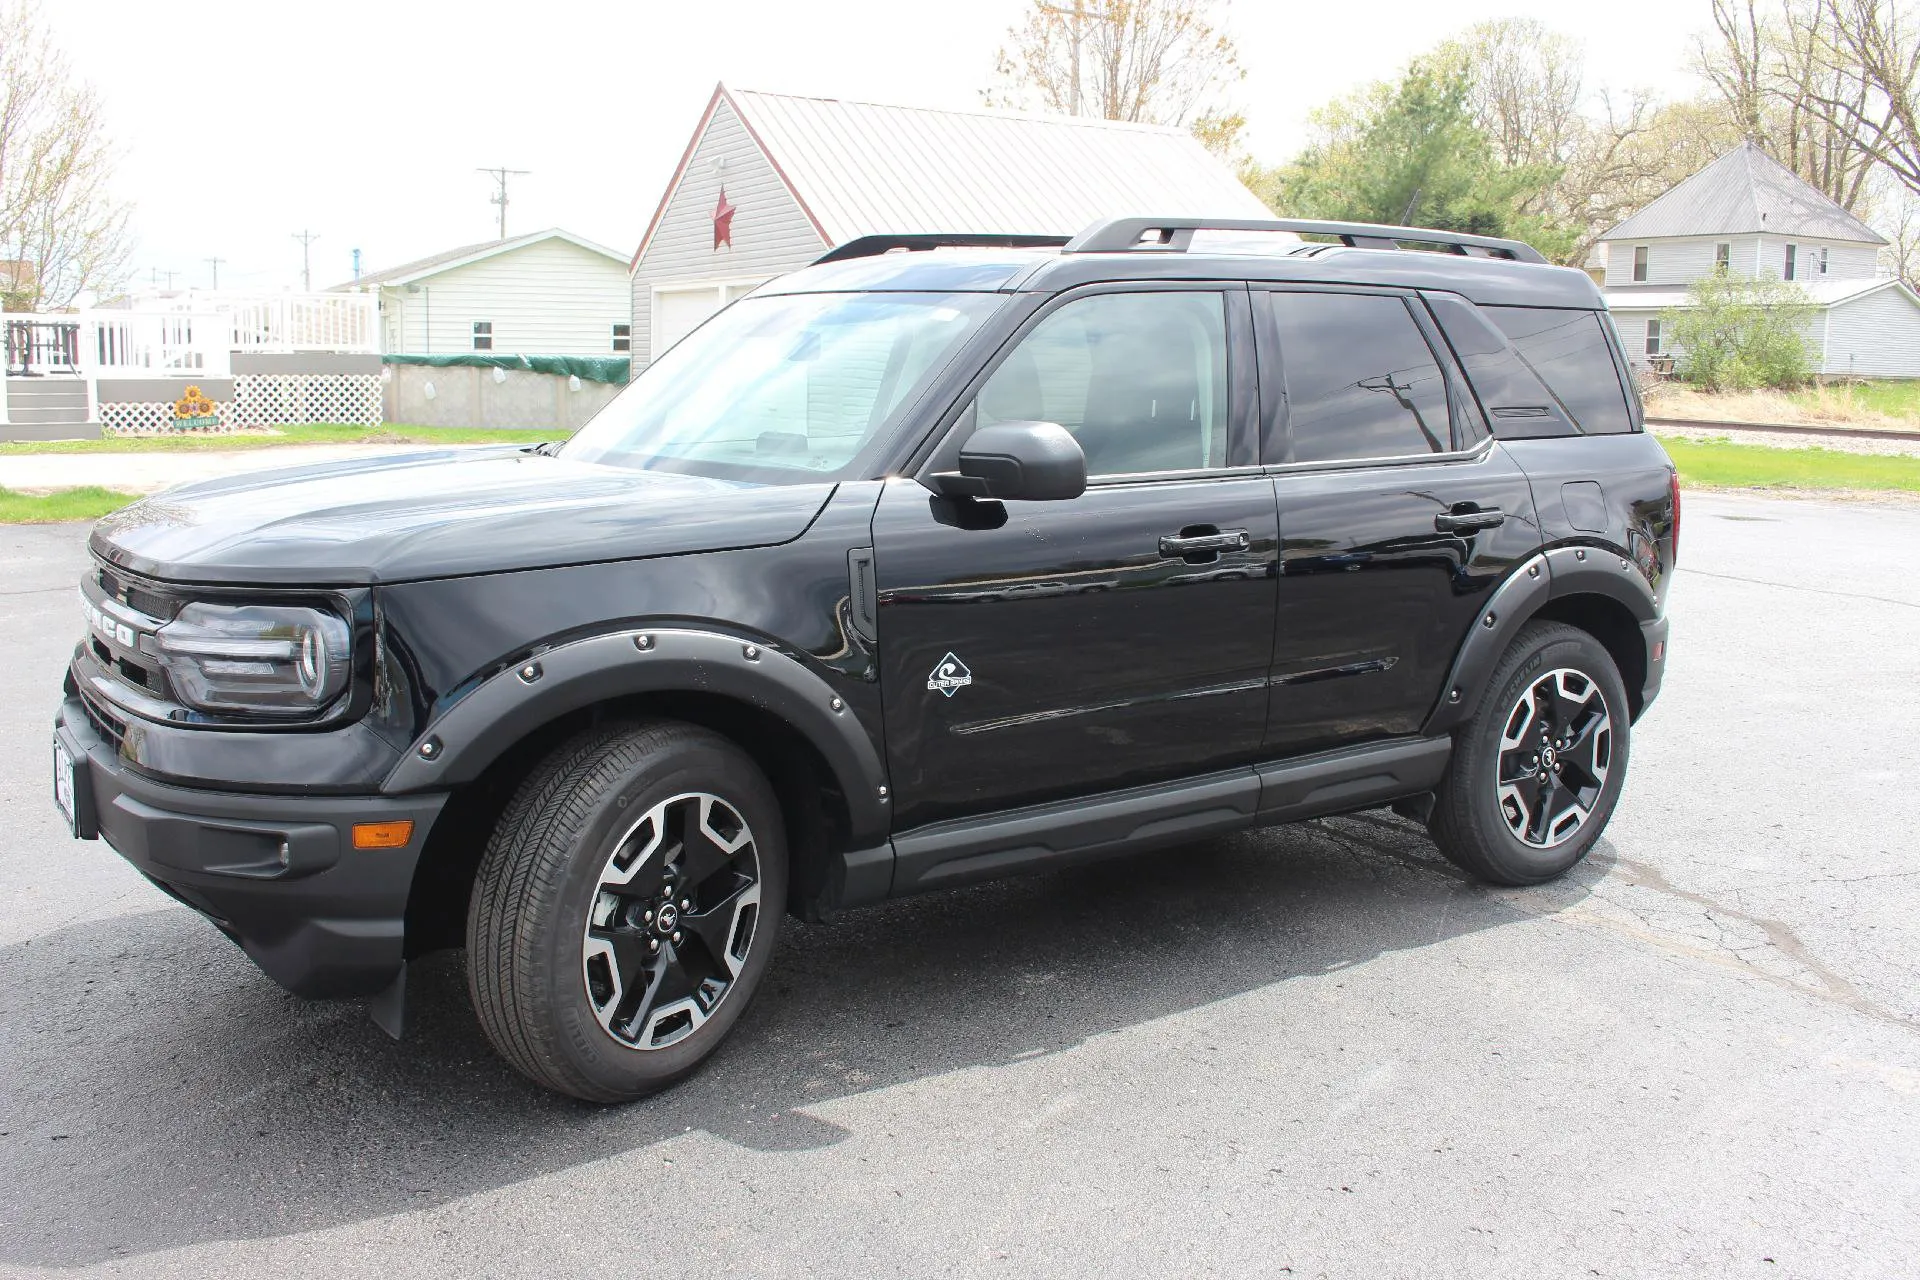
(440, 514)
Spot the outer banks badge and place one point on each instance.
(950, 676)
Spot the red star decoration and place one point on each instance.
(723, 221)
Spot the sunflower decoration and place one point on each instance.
(193, 408)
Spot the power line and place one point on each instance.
(216, 272)
(306, 239)
(500, 177)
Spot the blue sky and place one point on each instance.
(240, 124)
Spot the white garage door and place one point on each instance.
(680, 310)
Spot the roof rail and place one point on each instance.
(872, 246)
(1175, 235)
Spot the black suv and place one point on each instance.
(944, 558)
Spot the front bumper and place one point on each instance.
(277, 873)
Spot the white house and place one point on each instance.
(547, 293)
(770, 182)
(1748, 214)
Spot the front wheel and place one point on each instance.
(1538, 769)
(626, 909)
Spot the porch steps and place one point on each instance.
(49, 408)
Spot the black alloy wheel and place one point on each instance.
(1537, 770)
(626, 908)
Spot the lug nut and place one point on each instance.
(686, 904)
(649, 917)
(653, 944)
(676, 936)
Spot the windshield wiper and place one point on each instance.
(546, 449)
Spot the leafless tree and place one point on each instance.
(61, 230)
(1526, 88)
(1789, 82)
(1149, 61)
(1874, 44)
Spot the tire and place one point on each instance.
(587, 973)
(1493, 816)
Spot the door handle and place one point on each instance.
(1469, 520)
(1204, 544)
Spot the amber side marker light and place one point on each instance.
(382, 835)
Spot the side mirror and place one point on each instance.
(1027, 461)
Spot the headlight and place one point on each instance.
(263, 660)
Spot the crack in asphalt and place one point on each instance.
(1541, 901)
(1792, 586)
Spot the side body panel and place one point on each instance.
(1092, 660)
(1375, 600)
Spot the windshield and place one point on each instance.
(782, 389)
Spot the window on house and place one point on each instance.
(1722, 258)
(623, 337)
(1640, 256)
(1823, 261)
(483, 335)
(1653, 337)
(1793, 253)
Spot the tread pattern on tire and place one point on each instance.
(520, 878)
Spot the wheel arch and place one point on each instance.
(806, 739)
(1593, 588)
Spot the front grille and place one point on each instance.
(136, 595)
(104, 722)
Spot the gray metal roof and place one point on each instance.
(420, 268)
(1744, 192)
(861, 168)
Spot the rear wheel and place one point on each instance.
(1537, 771)
(626, 909)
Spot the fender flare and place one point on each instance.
(1534, 582)
(458, 745)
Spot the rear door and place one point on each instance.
(1038, 650)
(1398, 514)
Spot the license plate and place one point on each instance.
(64, 790)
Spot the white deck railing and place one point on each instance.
(301, 321)
(118, 344)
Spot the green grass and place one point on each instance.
(1722, 464)
(89, 503)
(389, 433)
(1895, 399)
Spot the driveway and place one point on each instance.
(152, 472)
(1314, 1051)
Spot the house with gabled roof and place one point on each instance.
(545, 293)
(769, 182)
(1748, 214)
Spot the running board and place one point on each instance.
(1041, 837)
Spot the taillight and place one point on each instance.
(1673, 487)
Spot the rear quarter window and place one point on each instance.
(1568, 350)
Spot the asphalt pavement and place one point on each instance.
(1314, 1051)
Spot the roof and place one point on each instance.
(1823, 293)
(863, 168)
(1744, 192)
(1486, 281)
(407, 272)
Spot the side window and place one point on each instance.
(623, 337)
(1140, 379)
(1361, 381)
(483, 335)
(1569, 350)
(1519, 404)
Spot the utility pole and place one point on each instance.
(216, 272)
(306, 239)
(1076, 15)
(500, 177)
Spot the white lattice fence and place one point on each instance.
(291, 399)
(156, 419)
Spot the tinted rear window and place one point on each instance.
(1361, 380)
(1569, 350)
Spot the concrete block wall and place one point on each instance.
(498, 398)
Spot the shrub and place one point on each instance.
(1740, 333)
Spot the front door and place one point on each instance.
(1397, 515)
(1036, 650)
